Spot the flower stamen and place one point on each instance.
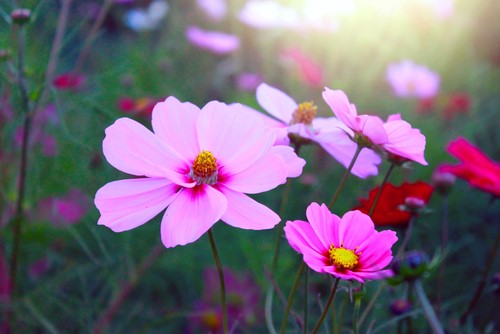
(204, 169)
(343, 258)
(305, 113)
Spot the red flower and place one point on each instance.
(457, 103)
(68, 81)
(476, 167)
(139, 107)
(390, 206)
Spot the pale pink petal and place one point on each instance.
(345, 111)
(133, 149)
(405, 141)
(246, 213)
(275, 102)
(127, 204)
(175, 123)
(302, 239)
(376, 251)
(373, 128)
(265, 174)
(192, 214)
(214, 41)
(235, 138)
(345, 275)
(324, 223)
(293, 163)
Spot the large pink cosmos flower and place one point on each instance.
(408, 79)
(396, 137)
(476, 167)
(347, 247)
(213, 41)
(198, 164)
(329, 133)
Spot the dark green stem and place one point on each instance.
(444, 241)
(377, 197)
(221, 279)
(409, 229)
(344, 178)
(357, 305)
(427, 308)
(327, 306)
(291, 297)
(372, 303)
(306, 299)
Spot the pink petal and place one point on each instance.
(175, 123)
(376, 251)
(339, 103)
(355, 228)
(127, 204)
(133, 149)
(324, 223)
(246, 213)
(293, 163)
(405, 141)
(373, 128)
(265, 174)
(275, 102)
(192, 214)
(304, 240)
(236, 138)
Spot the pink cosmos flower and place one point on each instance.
(395, 137)
(347, 247)
(329, 133)
(309, 70)
(214, 41)
(199, 164)
(408, 79)
(475, 167)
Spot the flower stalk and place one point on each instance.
(327, 306)
(221, 280)
(426, 306)
(379, 193)
(291, 297)
(344, 178)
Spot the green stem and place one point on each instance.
(427, 308)
(221, 279)
(384, 181)
(408, 231)
(371, 304)
(291, 296)
(444, 241)
(327, 306)
(344, 178)
(306, 299)
(357, 305)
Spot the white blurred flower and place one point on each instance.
(214, 9)
(147, 19)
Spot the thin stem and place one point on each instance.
(444, 241)
(371, 304)
(92, 34)
(306, 299)
(23, 164)
(126, 288)
(344, 178)
(379, 193)
(327, 306)
(427, 308)
(482, 282)
(355, 323)
(279, 230)
(408, 231)
(221, 279)
(291, 295)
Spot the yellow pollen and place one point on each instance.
(343, 258)
(204, 165)
(305, 113)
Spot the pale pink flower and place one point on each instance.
(348, 248)
(199, 164)
(248, 81)
(329, 133)
(213, 41)
(214, 9)
(408, 79)
(395, 137)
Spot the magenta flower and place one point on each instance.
(64, 210)
(347, 248)
(199, 164)
(395, 137)
(213, 41)
(329, 133)
(69, 81)
(408, 79)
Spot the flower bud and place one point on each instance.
(411, 266)
(400, 306)
(443, 182)
(414, 204)
(20, 15)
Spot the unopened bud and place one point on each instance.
(400, 306)
(414, 204)
(443, 182)
(20, 15)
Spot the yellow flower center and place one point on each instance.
(343, 258)
(204, 169)
(305, 113)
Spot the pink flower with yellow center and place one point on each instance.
(395, 137)
(199, 164)
(348, 248)
(300, 119)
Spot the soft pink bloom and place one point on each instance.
(199, 164)
(396, 137)
(408, 79)
(327, 132)
(64, 210)
(475, 167)
(309, 70)
(69, 81)
(214, 9)
(248, 81)
(347, 248)
(213, 41)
